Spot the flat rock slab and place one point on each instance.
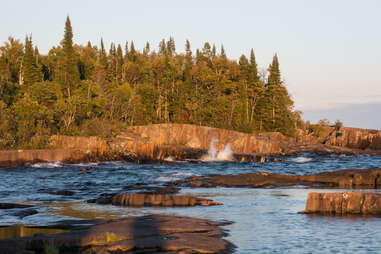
(356, 179)
(152, 199)
(146, 234)
(346, 203)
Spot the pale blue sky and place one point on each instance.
(329, 50)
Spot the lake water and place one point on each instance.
(265, 220)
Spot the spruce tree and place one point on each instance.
(70, 70)
(103, 56)
(29, 67)
(223, 54)
(132, 53)
(277, 104)
(253, 68)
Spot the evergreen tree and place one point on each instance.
(30, 70)
(276, 104)
(223, 54)
(119, 62)
(70, 70)
(132, 53)
(103, 56)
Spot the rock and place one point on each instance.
(87, 169)
(152, 189)
(12, 205)
(139, 200)
(24, 213)
(346, 203)
(352, 179)
(146, 234)
(62, 192)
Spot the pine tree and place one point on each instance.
(253, 68)
(119, 62)
(70, 70)
(223, 54)
(29, 67)
(103, 56)
(277, 105)
(146, 49)
(132, 53)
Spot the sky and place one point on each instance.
(329, 50)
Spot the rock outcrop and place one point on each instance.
(146, 234)
(346, 179)
(347, 203)
(155, 198)
(154, 143)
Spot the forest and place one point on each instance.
(88, 90)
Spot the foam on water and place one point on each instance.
(301, 159)
(56, 164)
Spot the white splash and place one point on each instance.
(169, 158)
(301, 159)
(56, 164)
(215, 155)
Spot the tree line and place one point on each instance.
(88, 90)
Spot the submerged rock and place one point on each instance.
(146, 234)
(63, 192)
(343, 203)
(13, 205)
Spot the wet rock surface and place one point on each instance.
(13, 205)
(146, 234)
(62, 192)
(347, 203)
(139, 196)
(356, 179)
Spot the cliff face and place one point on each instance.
(199, 137)
(15, 158)
(185, 141)
(354, 138)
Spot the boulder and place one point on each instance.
(345, 203)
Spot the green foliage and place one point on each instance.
(29, 67)
(84, 90)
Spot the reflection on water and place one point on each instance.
(21, 231)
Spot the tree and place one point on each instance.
(70, 70)
(276, 108)
(29, 66)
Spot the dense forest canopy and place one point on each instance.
(86, 90)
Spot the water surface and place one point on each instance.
(265, 220)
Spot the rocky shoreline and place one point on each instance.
(155, 143)
(145, 234)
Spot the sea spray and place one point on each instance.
(215, 155)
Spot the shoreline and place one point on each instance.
(154, 143)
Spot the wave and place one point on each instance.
(174, 177)
(56, 164)
(301, 159)
(89, 164)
